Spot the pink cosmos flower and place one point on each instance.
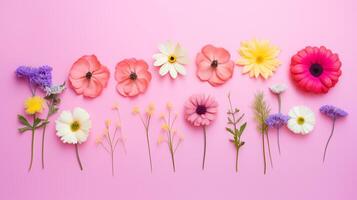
(315, 69)
(214, 65)
(201, 110)
(88, 76)
(133, 77)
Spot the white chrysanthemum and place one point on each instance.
(302, 120)
(171, 59)
(277, 88)
(73, 127)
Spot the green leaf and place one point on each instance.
(37, 121)
(42, 124)
(242, 128)
(23, 129)
(230, 130)
(24, 121)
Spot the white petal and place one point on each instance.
(182, 60)
(86, 125)
(81, 136)
(167, 48)
(80, 114)
(294, 127)
(69, 138)
(62, 128)
(180, 69)
(173, 72)
(164, 69)
(66, 117)
(307, 128)
(160, 59)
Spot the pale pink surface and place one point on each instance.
(59, 32)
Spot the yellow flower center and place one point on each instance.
(75, 126)
(259, 59)
(300, 120)
(172, 58)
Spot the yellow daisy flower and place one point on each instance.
(34, 105)
(258, 57)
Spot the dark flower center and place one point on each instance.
(316, 69)
(201, 109)
(214, 64)
(133, 76)
(89, 75)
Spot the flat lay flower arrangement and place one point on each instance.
(312, 69)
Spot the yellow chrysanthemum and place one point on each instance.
(258, 57)
(34, 105)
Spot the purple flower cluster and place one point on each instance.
(332, 111)
(277, 120)
(41, 76)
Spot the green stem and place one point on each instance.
(204, 147)
(328, 141)
(78, 159)
(278, 139)
(32, 147)
(265, 162)
(32, 141)
(148, 141)
(270, 158)
(237, 158)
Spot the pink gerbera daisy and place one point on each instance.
(315, 69)
(201, 111)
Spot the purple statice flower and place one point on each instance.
(332, 111)
(29, 73)
(277, 120)
(41, 76)
(44, 76)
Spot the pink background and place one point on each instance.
(59, 32)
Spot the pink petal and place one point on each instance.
(94, 64)
(222, 55)
(79, 68)
(209, 52)
(93, 89)
(215, 80)
(102, 76)
(225, 70)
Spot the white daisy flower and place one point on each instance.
(171, 59)
(73, 127)
(302, 120)
(277, 88)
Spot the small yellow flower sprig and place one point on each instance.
(145, 119)
(33, 105)
(170, 134)
(110, 140)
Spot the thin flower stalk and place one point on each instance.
(261, 112)
(145, 119)
(170, 136)
(234, 128)
(109, 139)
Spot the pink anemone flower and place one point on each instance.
(132, 76)
(214, 65)
(88, 76)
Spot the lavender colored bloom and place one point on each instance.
(27, 72)
(41, 76)
(277, 120)
(44, 76)
(332, 111)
